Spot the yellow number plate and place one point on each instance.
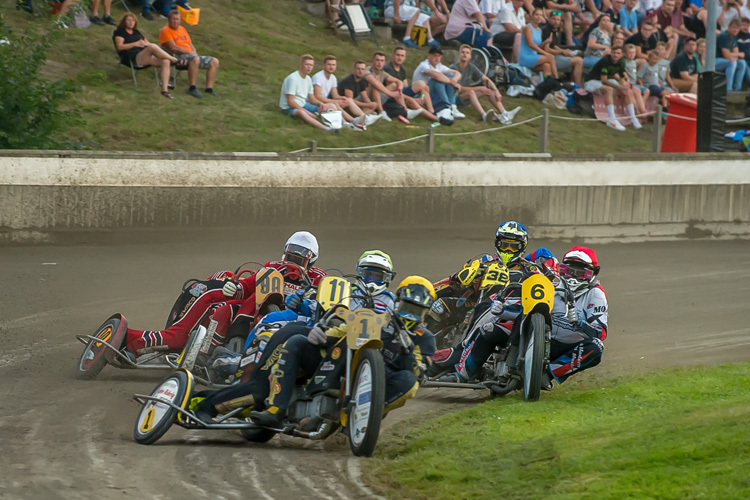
(362, 325)
(536, 289)
(267, 282)
(497, 274)
(333, 290)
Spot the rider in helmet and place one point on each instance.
(224, 300)
(492, 324)
(578, 331)
(406, 351)
(374, 268)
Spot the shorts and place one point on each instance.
(656, 91)
(406, 12)
(205, 61)
(641, 88)
(562, 63)
(474, 37)
(312, 108)
(592, 85)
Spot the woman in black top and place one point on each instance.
(132, 46)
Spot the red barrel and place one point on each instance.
(679, 133)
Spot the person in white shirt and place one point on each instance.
(508, 25)
(297, 98)
(443, 84)
(490, 9)
(325, 89)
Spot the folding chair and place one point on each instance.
(356, 19)
(133, 67)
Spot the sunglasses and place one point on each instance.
(556, 13)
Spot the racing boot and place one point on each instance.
(271, 417)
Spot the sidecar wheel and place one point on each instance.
(155, 418)
(92, 359)
(258, 435)
(368, 396)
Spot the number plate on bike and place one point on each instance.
(362, 325)
(333, 290)
(268, 281)
(537, 289)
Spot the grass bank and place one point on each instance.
(258, 43)
(678, 433)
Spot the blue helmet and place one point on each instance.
(511, 239)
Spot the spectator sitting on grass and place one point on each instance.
(532, 55)
(508, 25)
(461, 26)
(408, 10)
(95, 19)
(416, 95)
(297, 98)
(656, 78)
(133, 47)
(443, 83)
(608, 77)
(383, 84)
(175, 39)
(684, 69)
(729, 59)
(355, 86)
(325, 90)
(475, 84)
(600, 42)
(566, 60)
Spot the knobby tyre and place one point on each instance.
(534, 358)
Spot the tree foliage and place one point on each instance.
(31, 107)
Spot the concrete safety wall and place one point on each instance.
(612, 197)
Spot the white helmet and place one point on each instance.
(376, 270)
(301, 248)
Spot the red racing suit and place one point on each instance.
(208, 300)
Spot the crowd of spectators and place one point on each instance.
(382, 91)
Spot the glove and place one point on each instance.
(497, 307)
(229, 289)
(317, 336)
(406, 340)
(293, 301)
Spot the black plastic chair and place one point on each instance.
(134, 67)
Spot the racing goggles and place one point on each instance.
(577, 271)
(374, 275)
(297, 254)
(512, 245)
(410, 312)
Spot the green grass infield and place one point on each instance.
(678, 433)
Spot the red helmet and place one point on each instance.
(579, 267)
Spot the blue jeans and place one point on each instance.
(589, 61)
(734, 70)
(442, 92)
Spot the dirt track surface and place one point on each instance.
(677, 303)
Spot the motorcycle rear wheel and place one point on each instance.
(534, 358)
(92, 359)
(368, 395)
(155, 418)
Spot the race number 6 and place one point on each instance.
(537, 291)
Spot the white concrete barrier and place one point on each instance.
(691, 196)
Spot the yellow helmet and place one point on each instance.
(414, 297)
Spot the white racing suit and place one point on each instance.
(577, 337)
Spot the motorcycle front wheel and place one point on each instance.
(368, 396)
(534, 358)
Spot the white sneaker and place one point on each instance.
(360, 119)
(636, 124)
(512, 113)
(385, 116)
(445, 116)
(503, 118)
(616, 125)
(413, 113)
(370, 119)
(456, 113)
